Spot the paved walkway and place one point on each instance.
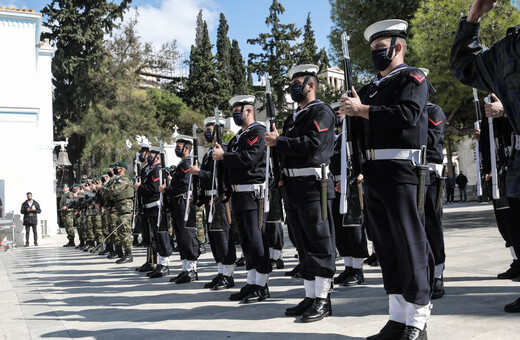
(50, 292)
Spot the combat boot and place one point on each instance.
(213, 282)
(70, 244)
(189, 277)
(80, 245)
(118, 252)
(147, 267)
(244, 291)
(225, 282)
(258, 294)
(90, 245)
(127, 258)
(355, 278)
(160, 271)
(300, 308)
(343, 275)
(109, 248)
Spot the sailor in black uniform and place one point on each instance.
(307, 143)
(221, 237)
(176, 194)
(395, 126)
(148, 189)
(244, 164)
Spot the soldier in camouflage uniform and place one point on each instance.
(78, 215)
(112, 215)
(89, 213)
(67, 214)
(104, 214)
(123, 194)
(95, 218)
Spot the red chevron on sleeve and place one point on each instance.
(155, 179)
(440, 121)
(185, 171)
(251, 142)
(320, 129)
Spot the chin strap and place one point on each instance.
(392, 47)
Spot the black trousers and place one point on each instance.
(450, 194)
(275, 234)
(186, 237)
(315, 237)
(160, 237)
(433, 221)
(400, 241)
(254, 240)
(514, 223)
(28, 230)
(222, 238)
(462, 194)
(350, 241)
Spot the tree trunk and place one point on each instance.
(449, 155)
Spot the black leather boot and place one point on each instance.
(320, 309)
(70, 244)
(414, 333)
(244, 291)
(355, 278)
(127, 257)
(213, 282)
(225, 282)
(80, 245)
(118, 252)
(392, 330)
(160, 271)
(300, 308)
(108, 249)
(295, 273)
(258, 294)
(189, 277)
(179, 276)
(343, 275)
(147, 267)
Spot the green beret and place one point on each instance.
(89, 177)
(112, 165)
(64, 185)
(122, 165)
(105, 172)
(77, 185)
(83, 181)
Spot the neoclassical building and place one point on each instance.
(26, 121)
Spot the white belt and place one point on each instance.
(516, 141)
(246, 187)
(336, 178)
(152, 204)
(413, 155)
(436, 167)
(210, 192)
(302, 172)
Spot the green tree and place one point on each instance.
(239, 83)
(202, 89)
(278, 49)
(77, 27)
(353, 17)
(223, 57)
(308, 51)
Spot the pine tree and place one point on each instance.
(239, 83)
(277, 56)
(77, 27)
(308, 51)
(202, 81)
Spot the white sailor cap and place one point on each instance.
(242, 100)
(425, 71)
(144, 146)
(211, 121)
(183, 139)
(155, 149)
(386, 28)
(303, 70)
(334, 106)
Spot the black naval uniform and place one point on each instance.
(149, 191)
(433, 218)
(351, 241)
(307, 142)
(177, 191)
(221, 236)
(244, 162)
(397, 120)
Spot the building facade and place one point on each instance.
(26, 120)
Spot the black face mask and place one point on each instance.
(116, 171)
(238, 119)
(102, 179)
(380, 59)
(209, 136)
(111, 174)
(141, 158)
(297, 94)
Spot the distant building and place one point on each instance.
(334, 77)
(26, 121)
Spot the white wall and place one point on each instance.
(26, 119)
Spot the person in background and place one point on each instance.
(30, 209)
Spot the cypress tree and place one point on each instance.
(239, 83)
(225, 87)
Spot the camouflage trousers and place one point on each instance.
(89, 229)
(97, 226)
(104, 225)
(124, 233)
(112, 224)
(80, 220)
(68, 223)
(200, 231)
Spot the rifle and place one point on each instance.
(477, 144)
(351, 194)
(192, 184)
(161, 154)
(270, 153)
(493, 155)
(135, 208)
(217, 174)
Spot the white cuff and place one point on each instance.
(322, 287)
(251, 277)
(310, 290)
(191, 266)
(357, 263)
(184, 266)
(227, 269)
(220, 268)
(348, 261)
(417, 315)
(261, 279)
(163, 261)
(397, 308)
(439, 269)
